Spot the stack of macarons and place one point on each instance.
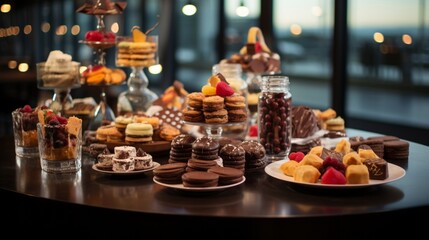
(138, 133)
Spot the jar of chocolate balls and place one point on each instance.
(274, 116)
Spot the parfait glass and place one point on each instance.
(137, 56)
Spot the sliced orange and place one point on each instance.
(138, 35)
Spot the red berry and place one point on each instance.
(62, 120)
(26, 109)
(109, 37)
(292, 156)
(253, 131)
(333, 176)
(299, 156)
(223, 89)
(258, 47)
(94, 36)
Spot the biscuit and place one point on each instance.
(200, 179)
(213, 103)
(195, 100)
(235, 102)
(227, 175)
(168, 132)
(200, 165)
(170, 173)
(192, 115)
(138, 133)
(237, 115)
(216, 117)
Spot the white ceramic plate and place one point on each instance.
(155, 165)
(395, 173)
(199, 189)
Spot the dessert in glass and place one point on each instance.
(137, 52)
(60, 142)
(25, 121)
(61, 74)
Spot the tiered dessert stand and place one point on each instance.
(103, 112)
(138, 97)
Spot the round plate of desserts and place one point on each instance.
(95, 168)
(395, 173)
(213, 125)
(199, 189)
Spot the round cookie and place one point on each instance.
(200, 165)
(216, 117)
(195, 100)
(206, 148)
(227, 175)
(138, 133)
(213, 103)
(183, 141)
(192, 115)
(237, 115)
(170, 173)
(200, 179)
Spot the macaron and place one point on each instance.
(138, 133)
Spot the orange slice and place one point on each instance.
(138, 35)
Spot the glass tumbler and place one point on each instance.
(25, 133)
(60, 148)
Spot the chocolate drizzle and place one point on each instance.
(304, 122)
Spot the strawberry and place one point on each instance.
(223, 89)
(253, 131)
(258, 47)
(299, 156)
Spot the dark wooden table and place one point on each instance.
(262, 207)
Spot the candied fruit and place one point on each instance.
(333, 176)
(208, 90)
(223, 89)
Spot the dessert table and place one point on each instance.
(262, 207)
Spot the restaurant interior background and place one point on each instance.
(367, 59)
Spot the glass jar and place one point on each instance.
(274, 116)
(234, 76)
(253, 81)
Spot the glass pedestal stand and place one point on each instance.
(103, 114)
(61, 100)
(138, 97)
(213, 130)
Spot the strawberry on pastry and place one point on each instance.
(223, 89)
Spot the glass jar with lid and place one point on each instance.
(274, 116)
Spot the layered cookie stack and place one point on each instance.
(204, 154)
(236, 106)
(170, 173)
(255, 155)
(194, 110)
(233, 156)
(214, 110)
(181, 148)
